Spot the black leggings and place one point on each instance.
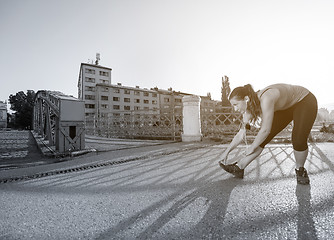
(303, 115)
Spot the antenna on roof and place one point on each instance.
(97, 59)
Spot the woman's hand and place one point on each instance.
(224, 157)
(249, 150)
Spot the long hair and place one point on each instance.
(253, 106)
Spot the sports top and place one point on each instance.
(289, 94)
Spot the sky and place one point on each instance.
(188, 45)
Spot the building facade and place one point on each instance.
(89, 76)
(118, 99)
(102, 98)
(3, 114)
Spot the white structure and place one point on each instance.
(3, 114)
(191, 119)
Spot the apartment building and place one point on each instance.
(90, 76)
(170, 101)
(118, 99)
(208, 105)
(103, 98)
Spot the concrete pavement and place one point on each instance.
(170, 191)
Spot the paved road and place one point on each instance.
(172, 191)
(18, 149)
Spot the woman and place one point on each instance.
(277, 105)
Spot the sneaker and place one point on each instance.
(233, 168)
(302, 177)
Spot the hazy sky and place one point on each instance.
(184, 44)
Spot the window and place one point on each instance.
(137, 108)
(105, 106)
(105, 89)
(154, 102)
(116, 99)
(137, 93)
(88, 79)
(154, 95)
(137, 100)
(178, 100)
(126, 107)
(104, 98)
(126, 99)
(92, 89)
(89, 105)
(146, 94)
(116, 107)
(90, 97)
(102, 73)
(166, 100)
(103, 81)
(146, 101)
(126, 91)
(146, 108)
(90, 71)
(116, 90)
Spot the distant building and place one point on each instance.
(118, 99)
(170, 100)
(103, 98)
(208, 105)
(89, 76)
(3, 114)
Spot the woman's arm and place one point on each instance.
(238, 138)
(236, 141)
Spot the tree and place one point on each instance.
(226, 90)
(23, 105)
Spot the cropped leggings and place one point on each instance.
(303, 115)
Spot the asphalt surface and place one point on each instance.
(170, 191)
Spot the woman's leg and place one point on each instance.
(304, 115)
(300, 157)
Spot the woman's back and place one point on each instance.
(289, 94)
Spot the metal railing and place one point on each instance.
(136, 125)
(222, 123)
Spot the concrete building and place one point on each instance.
(118, 99)
(3, 114)
(103, 98)
(208, 105)
(170, 101)
(89, 76)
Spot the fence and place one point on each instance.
(220, 125)
(136, 124)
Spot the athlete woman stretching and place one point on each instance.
(277, 105)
